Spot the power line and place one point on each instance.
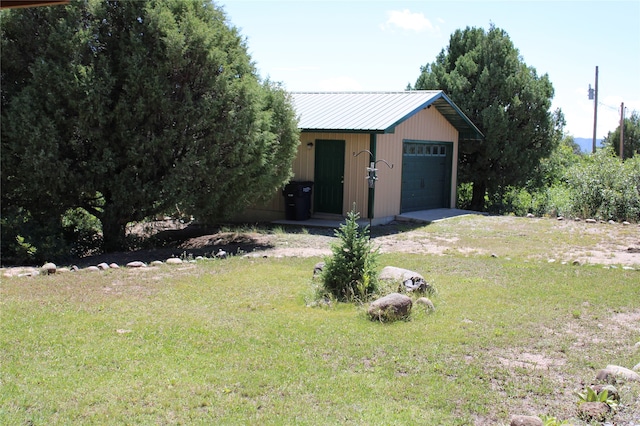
(616, 109)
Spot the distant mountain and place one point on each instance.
(586, 144)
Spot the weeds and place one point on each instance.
(590, 395)
(553, 421)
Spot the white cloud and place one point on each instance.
(407, 20)
(339, 84)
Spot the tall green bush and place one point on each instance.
(603, 186)
(349, 274)
(597, 185)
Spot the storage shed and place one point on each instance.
(411, 137)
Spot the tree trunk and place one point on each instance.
(113, 230)
(477, 198)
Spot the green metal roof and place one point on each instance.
(375, 112)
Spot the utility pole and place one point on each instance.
(595, 113)
(622, 131)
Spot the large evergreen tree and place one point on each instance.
(129, 108)
(485, 76)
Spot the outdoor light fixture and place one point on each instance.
(309, 145)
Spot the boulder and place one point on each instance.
(391, 307)
(114, 266)
(525, 421)
(408, 281)
(593, 411)
(318, 268)
(136, 264)
(606, 375)
(221, 254)
(623, 373)
(48, 268)
(173, 261)
(92, 269)
(156, 263)
(103, 266)
(21, 272)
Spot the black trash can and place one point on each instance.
(297, 199)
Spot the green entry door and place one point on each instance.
(329, 176)
(426, 176)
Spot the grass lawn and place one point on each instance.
(233, 342)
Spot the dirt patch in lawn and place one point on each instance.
(546, 239)
(472, 235)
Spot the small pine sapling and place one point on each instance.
(349, 274)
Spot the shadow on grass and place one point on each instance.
(192, 240)
(189, 241)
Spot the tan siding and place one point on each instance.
(303, 164)
(387, 193)
(356, 189)
(428, 124)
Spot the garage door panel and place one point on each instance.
(426, 174)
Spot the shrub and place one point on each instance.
(517, 201)
(558, 201)
(28, 239)
(349, 274)
(605, 187)
(82, 231)
(597, 186)
(465, 193)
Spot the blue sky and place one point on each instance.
(380, 45)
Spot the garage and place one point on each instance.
(426, 175)
(408, 140)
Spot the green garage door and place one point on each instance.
(426, 175)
